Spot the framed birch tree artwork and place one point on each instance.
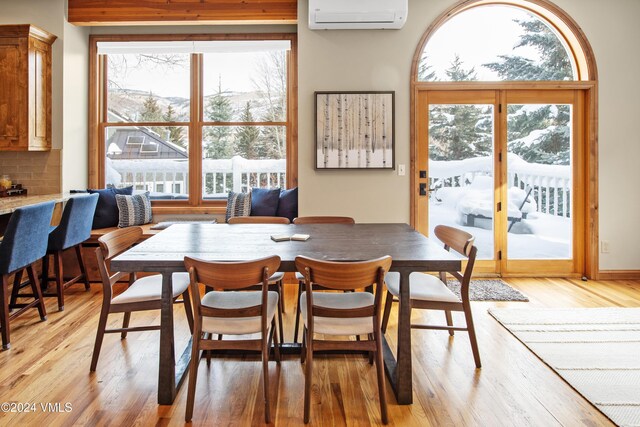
(355, 130)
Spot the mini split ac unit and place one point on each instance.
(357, 14)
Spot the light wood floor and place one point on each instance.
(49, 363)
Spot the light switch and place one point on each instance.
(401, 170)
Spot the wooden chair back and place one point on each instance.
(258, 220)
(461, 242)
(324, 220)
(111, 245)
(223, 276)
(343, 276)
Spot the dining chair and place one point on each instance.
(342, 314)
(227, 311)
(24, 243)
(74, 228)
(141, 294)
(324, 220)
(299, 276)
(277, 278)
(431, 292)
(258, 220)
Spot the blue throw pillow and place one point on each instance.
(264, 202)
(288, 204)
(107, 213)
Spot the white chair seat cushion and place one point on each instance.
(237, 299)
(339, 326)
(299, 276)
(276, 277)
(424, 287)
(149, 288)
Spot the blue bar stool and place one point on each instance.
(73, 230)
(24, 242)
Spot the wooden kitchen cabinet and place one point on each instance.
(25, 88)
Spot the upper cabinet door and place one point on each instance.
(25, 88)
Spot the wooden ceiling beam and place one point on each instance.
(154, 12)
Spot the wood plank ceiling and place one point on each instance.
(127, 12)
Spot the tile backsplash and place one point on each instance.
(38, 171)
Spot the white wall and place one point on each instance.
(381, 60)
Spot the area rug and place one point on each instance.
(595, 350)
(488, 290)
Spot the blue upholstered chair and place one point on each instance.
(73, 230)
(24, 242)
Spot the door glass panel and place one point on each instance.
(539, 170)
(461, 171)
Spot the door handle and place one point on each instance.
(423, 188)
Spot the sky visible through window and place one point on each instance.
(478, 36)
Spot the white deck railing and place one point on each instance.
(171, 177)
(551, 183)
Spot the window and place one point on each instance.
(190, 120)
(504, 108)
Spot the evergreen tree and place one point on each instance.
(459, 131)
(550, 144)
(554, 63)
(218, 139)
(175, 132)
(247, 137)
(151, 112)
(425, 71)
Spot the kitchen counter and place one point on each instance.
(10, 204)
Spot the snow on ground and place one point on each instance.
(539, 236)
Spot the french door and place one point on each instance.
(506, 166)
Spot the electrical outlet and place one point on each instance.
(604, 246)
(401, 170)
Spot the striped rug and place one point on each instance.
(596, 350)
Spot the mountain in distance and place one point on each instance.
(129, 103)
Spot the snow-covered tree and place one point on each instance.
(218, 139)
(248, 137)
(460, 131)
(553, 63)
(175, 132)
(539, 134)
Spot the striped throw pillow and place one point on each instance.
(238, 204)
(134, 210)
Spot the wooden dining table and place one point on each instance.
(164, 253)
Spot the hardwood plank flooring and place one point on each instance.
(49, 363)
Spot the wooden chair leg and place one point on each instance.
(102, 325)
(472, 336)
(125, 324)
(57, 266)
(45, 272)
(447, 314)
(188, 310)
(387, 311)
(280, 323)
(382, 386)
(276, 343)
(371, 355)
(308, 377)
(83, 269)
(4, 314)
(297, 324)
(303, 351)
(37, 292)
(15, 291)
(193, 374)
(265, 372)
(281, 294)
